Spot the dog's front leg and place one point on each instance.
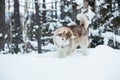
(70, 51)
(61, 54)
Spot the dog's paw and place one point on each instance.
(84, 53)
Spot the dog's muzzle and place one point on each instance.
(65, 46)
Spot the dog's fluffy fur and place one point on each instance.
(67, 38)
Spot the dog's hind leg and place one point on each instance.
(84, 50)
(84, 45)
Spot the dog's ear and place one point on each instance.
(70, 35)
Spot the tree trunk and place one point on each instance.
(92, 3)
(56, 9)
(17, 26)
(25, 27)
(2, 24)
(44, 12)
(62, 15)
(38, 31)
(10, 28)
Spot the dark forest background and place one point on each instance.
(29, 25)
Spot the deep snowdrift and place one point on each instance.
(102, 63)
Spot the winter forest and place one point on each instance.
(27, 50)
(28, 25)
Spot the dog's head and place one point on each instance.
(65, 38)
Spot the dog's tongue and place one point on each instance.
(61, 42)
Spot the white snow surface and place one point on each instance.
(1, 34)
(101, 63)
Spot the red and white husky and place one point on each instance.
(67, 38)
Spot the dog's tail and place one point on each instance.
(83, 20)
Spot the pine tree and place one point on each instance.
(2, 24)
(106, 20)
(56, 9)
(44, 12)
(25, 26)
(38, 31)
(17, 29)
(68, 11)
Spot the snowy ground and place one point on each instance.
(102, 63)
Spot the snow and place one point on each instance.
(118, 38)
(36, 26)
(112, 36)
(108, 35)
(94, 32)
(106, 41)
(67, 8)
(99, 2)
(80, 2)
(5, 36)
(51, 26)
(102, 63)
(90, 14)
(1, 34)
(49, 46)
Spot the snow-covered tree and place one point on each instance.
(68, 11)
(106, 22)
(2, 25)
(4, 29)
(37, 20)
(17, 28)
(38, 30)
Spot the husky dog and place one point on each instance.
(67, 38)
